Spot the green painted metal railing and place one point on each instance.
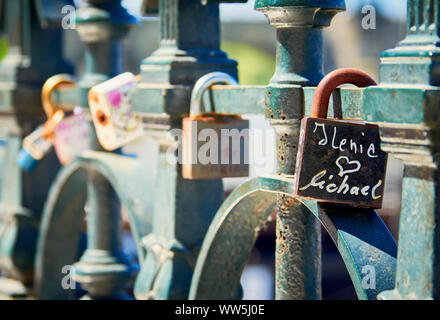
(191, 243)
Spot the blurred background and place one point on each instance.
(248, 38)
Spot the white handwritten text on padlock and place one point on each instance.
(341, 143)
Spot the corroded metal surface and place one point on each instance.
(298, 259)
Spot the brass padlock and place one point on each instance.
(339, 160)
(214, 145)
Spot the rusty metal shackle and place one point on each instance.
(330, 82)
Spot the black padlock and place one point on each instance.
(340, 160)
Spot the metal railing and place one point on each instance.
(191, 243)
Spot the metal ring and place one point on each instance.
(203, 84)
(49, 86)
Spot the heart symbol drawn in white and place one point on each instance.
(343, 172)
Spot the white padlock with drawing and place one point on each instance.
(110, 106)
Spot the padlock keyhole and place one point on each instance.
(101, 117)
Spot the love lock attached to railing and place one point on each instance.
(340, 161)
(225, 159)
(68, 135)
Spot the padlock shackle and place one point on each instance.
(52, 123)
(205, 83)
(48, 87)
(330, 82)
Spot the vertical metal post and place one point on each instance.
(189, 48)
(189, 44)
(103, 270)
(409, 83)
(102, 26)
(299, 63)
(35, 53)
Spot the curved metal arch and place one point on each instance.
(64, 211)
(359, 234)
